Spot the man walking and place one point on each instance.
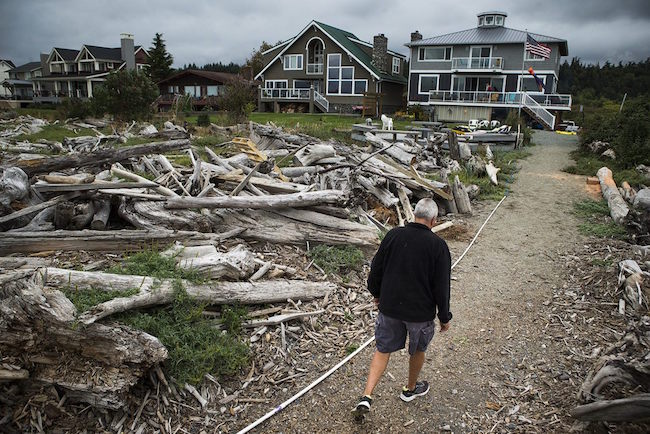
(410, 280)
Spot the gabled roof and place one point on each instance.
(489, 35)
(8, 62)
(27, 67)
(221, 77)
(103, 53)
(351, 44)
(67, 54)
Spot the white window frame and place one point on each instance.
(498, 20)
(397, 63)
(289, 57)
(480, 46)
(420, 83)
(354, 81)
(422, 58)
(534, 57)
(340, 79)
(519, 80)
(266, 82)
(307, 55)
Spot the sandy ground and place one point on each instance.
(498, 331)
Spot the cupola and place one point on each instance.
(491, 19)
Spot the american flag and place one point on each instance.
(534, 47)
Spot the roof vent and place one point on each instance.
(491, 19)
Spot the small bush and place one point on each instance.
(203, 120)
(337, 259)
(195, 346)
(85, 299)
(232, 318)
(597, 221)
(76, 108)
(238, 100)
(152, 263)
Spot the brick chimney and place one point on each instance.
(127, 50)
(416, 36)
(45, 67)
(380, 52)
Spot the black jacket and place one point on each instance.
(410, 274)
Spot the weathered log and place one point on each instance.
(39, 207)
(461, 197)
(63, 213)
(98, 158)
(154, 292)
(394, 152)
(269, 185)
(117, 170)
(237, 263)
(302, 199)
(313, 153)
(492, 171)
(268, 226)
(632, 409)
(58, 188)
(43, 221)
(464, 151)
(83, 215)
(110, 241)
(102, 212)
(406, 203)
(153, 215)
(382, 194)
(96, 364)
(14, 185)
(454, 150)
(61, 179)
(618, 209)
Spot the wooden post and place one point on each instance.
(454, 150)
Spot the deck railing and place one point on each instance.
(460, 63)
(499, 98)
(320, 99)
(314, 68)
(286, 93)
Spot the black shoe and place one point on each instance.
(362, 408)
(421, 389)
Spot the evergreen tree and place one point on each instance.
(125, 94)
(160, 61)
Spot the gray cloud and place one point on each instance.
(205, 31)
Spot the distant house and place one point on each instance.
(204, 88)
(5, 66)
(20, 83)
(330, 70)
(475, 73)
(75, 73)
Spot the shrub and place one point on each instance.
(337, 259)
(76, 108)
(127, 95)
(238, 100)
(203, 120)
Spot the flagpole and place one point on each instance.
(523, 72)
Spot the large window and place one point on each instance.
(435, 53)
(479, 52)
(315, 56)
(396, 64)
(340, 79)
(216, 90)
(194, 91)
(276, 84)
(293, 62)
(527, 83)
(428, 82)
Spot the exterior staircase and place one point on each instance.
(537, 111)
(321, 102)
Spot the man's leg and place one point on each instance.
(377, 368)
(416, 361)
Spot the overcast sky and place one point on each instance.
(205, 31)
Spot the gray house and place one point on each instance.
(482, 72)
(330, 70)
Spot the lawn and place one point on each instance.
(587, 163)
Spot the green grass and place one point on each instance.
(55, 133)
(588, 164)
(351, 349)
(597, 222)
(152, 263)
(85, 299)
(337, 259)
(51, 114)
(196, 347)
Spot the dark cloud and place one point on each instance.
(204, 31)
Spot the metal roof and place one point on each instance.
(26, 67)
(492, 13)
(489, 35)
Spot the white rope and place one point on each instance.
(320, 379)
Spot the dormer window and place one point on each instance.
(492, 19)
(489, 20)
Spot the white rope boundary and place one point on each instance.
(320, 379)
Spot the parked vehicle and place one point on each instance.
(568, 126)
(473, 124)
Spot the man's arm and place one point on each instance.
(442, 283)
(377, 268)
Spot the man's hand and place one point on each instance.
(444, 327)
(376, 300)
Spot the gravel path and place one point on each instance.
(497, 335)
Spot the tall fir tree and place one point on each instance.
(160, 60)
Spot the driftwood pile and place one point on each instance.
(271, 188)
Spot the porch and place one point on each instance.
(499, 99)
(292, 94)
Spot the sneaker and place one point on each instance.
(363, 407)
(421, 389)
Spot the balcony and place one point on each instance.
(477, 64)
(314, 68)
(299, 94)
(496, 99)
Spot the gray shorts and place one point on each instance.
(390, 334)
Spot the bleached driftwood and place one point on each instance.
(632, 409)
(382, 194)
(153, 216)
(618, 209)
(237, 263)
(312, 153)
(32, 242)
(492, 172)
(102, 212)
(396, 152)
(461, 197)
(153, 292)
(302, 199)
(118, 170)
(96, 364)
(14, 185)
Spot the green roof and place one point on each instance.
(344, 39)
